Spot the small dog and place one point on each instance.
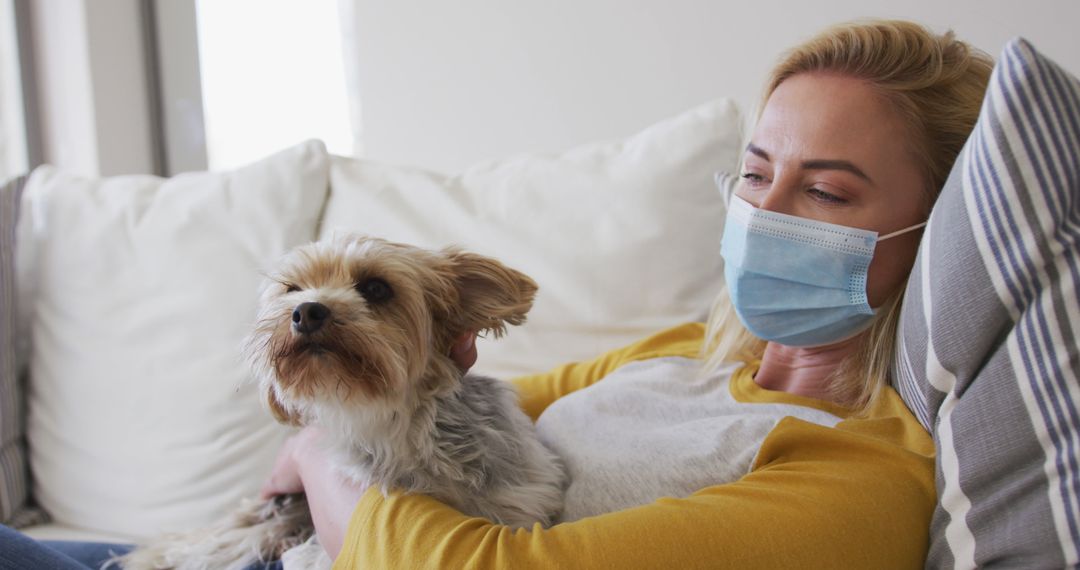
(354, 335)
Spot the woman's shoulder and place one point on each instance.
(538, 391)
(683, 340)
(889, 419)
(886, 449)
(888, 422)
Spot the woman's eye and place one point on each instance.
(824, 196)
(375, 290)
(753, 179)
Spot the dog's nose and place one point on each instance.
(309, 317)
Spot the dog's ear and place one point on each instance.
(491, 295)
(280, 413)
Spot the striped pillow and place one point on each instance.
(989, 358)
(14, 480)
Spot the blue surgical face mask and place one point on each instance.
(796, 281)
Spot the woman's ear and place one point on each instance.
(491, 295)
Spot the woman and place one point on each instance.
(769, 437)
(774, 424)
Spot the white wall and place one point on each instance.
(445, 84)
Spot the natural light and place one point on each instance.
(272, 76)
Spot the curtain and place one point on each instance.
(350, 41)
(12, 130)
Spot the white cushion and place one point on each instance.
(141, 414)
(623, 237)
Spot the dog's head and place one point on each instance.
(360, 320)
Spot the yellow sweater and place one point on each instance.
(858, 495)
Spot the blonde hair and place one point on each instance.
(936, 83)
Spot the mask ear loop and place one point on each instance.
(901, 232)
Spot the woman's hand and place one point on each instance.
(303, 465)
(285, 476)
(463, 351)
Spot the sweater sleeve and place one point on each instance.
(538, 391)
(856, 496)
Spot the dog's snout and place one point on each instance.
(309, 317)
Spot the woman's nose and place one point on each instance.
(777, 197)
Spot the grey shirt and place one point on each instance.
(657, 428)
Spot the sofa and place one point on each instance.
(127, 410)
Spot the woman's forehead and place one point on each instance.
(817, 116)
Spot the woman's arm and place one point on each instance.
(817, 498)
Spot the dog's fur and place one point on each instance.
(395, 409)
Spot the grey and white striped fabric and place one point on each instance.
(14, 477)
(15, 502)
(989, 357)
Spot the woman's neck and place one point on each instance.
(803, 371)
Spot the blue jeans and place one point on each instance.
(20, 552)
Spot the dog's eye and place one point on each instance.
(290, 288)
(375, 290)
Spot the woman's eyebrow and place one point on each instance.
(817, 164)
(755, 150)
(822, 164)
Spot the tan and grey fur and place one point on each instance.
(375, 375)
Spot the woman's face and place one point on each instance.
(830, 148)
